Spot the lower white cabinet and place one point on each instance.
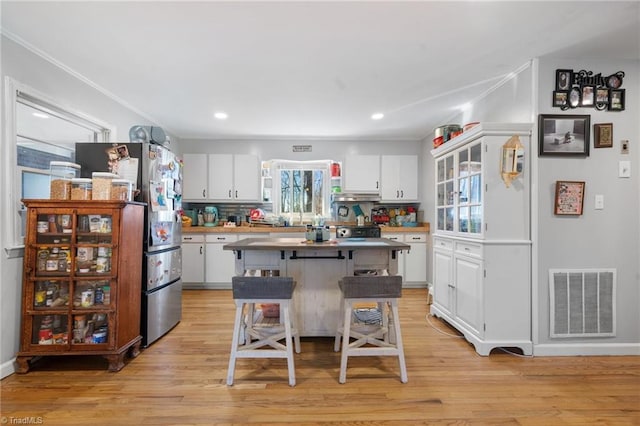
(412, 264)
(193, 258)
(483, 290)
(220, 266)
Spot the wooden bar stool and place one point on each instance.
(385, 291)
(247, 291)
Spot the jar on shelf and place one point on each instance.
(81, 188)
(102, 182)
(122, 189)
(61, 173)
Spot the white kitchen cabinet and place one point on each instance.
(220, 264)
(234, 177)
(412, 264)
(361, 173)
(194, 177)
(482, 243)
(193, 257)
(399, 178)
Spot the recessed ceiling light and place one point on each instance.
(377, 116)
(221, 115)
(40, 115)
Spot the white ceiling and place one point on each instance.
(315, 68)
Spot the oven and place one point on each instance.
(352, 231)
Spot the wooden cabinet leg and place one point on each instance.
(116, 362)
(23, 364)
(135, 350)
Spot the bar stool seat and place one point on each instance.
(248, 291)
(376, 340)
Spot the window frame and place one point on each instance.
(12, 173)
(278, 165)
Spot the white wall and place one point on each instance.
(608, 238)
(31, 70)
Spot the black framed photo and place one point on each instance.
(560, 98)
(575, 97)
(564, 135)
(588, 96)
(616, 100)
(564, 79)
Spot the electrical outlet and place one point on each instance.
(624, 146)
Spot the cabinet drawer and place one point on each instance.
(442, 244)
(221, 238)
(415, 238)
(469, 249)
(192, 238)
(393, 237)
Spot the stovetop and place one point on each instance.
(351, 231)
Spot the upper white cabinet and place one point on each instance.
(399, 175)
(194, 177)
(482, 242)
(361, 173)
(221, 177)
(234, 177)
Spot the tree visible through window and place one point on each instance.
(303, 190)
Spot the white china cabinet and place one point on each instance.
(481, 239)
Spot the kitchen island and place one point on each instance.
(316, 268)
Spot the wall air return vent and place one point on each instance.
(583, 302)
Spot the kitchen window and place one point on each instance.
(39, 131)
(302, 189)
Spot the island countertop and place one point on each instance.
(301, 244)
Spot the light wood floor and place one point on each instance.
(180, 380)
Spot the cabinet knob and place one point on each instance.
(204, 193)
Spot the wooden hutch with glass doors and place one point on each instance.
(81, 286)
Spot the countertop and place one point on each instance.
(423, 227)
(301, 244)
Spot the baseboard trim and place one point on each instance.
(7, 368)
(587, 349)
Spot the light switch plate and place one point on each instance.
(624, 169)
(599, 201)
(624, 146)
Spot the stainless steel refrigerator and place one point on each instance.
(158, 176)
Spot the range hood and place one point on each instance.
(343, 197)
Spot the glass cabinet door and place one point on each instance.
(445, 193)
(470, 189)
(459, 191)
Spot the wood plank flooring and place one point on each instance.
(180, 380)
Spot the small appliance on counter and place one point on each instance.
(210, 216)
(317, 234)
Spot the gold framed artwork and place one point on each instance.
(569, 199)
(603, 135)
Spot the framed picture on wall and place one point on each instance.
(569, 198)
(603, 135)
(616, 100)
(564, 79)
(564, 135)
(560, 98)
